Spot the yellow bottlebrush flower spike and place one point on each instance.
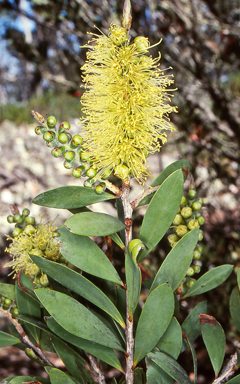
(125, 103)
(40, 242)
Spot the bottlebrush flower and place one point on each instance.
(41, 242)
(126, 103)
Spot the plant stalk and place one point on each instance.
(129, 320)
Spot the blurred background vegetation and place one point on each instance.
(40, 69)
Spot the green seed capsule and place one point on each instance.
(91, 172)
(69, 155)
(100, 188)
(177, 219)
(186, 212)
(26, 212)
(190, 283)
(196, 268)
(196, 254)
(201, 220)
(63, 138)
(15, 312)
(48, 136)
(7, 302)
(51, 121)
(16, 232)
(192, 193)
(38, 130)
(65, 125)
(190, 271)
(181, 230)
(57, 152)
(10, 219)
(30, 220)
(196, 205)
(77, 140)
(78, 171)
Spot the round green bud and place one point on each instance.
(31, 354)
(29, 229)
(173, 239)
(181, 230)
(38, 130)
(10, 219)
(51, 121)
(68, 164)
(107, 174)
(26, 212)
(200, 200)
(121, 171)
(186, 212)
(183, 201)
(85, 156)
(7, 302)
(196, 254)
(15, 312)
(44, 280)
(30, 220)
(192, 193)
(65, 125)
(16, 232)
(48, 136)
(196, 268)
(78, 171)
(88, 183)
(190, 271)
(200, 249)
(142, 44)
(91, 172)
(200, 237)
(201, 220)
(17, 218)
(77, 140)
(69, 155)
(177, 219)
(196, 205)
(52, 143)
(63, 138)
(190, 283)
(57, 152)
(37, 280)
(100, 188)
(193, 223)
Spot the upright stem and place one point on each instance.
(129, 320)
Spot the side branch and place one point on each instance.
(136, 202)
(97, 370)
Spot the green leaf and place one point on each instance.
(159, 305)
(214, 340)
(86, 255)
(210, 280)
(238, 278)
(70, 197)
(171, 341)
(6, 339)
(170, 366)
(121, 217)
(180, 164)
(194, 357)
(93, 224)
(117, 240)
(235, 380)
(74, 363)
(80, 321)
(133, 280)
(234, 307)
(26, 379)
(101, 352)
(8, 290)
(161, 212)
(175, 266)
(28, 306)
(191, 325)
(155, 374)
(59, 377)
(79, 284)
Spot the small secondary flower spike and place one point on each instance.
(126, 104)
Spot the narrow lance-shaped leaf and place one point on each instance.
(210, 280)
(194, 357)
(59, 377)
(154, 320)
(79, 284)
(86, 255)
(80, 322)
(234, 307)
(161, 212)
(214, 340)
(93, 224)
(133, 278)
(171, 341)
(6, 339)
(155, 374)
(175, 265)
(8, 290)
(70, 197)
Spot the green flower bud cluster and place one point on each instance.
(10, 305)
(74, 151)
(23, 222)
(187, 219)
